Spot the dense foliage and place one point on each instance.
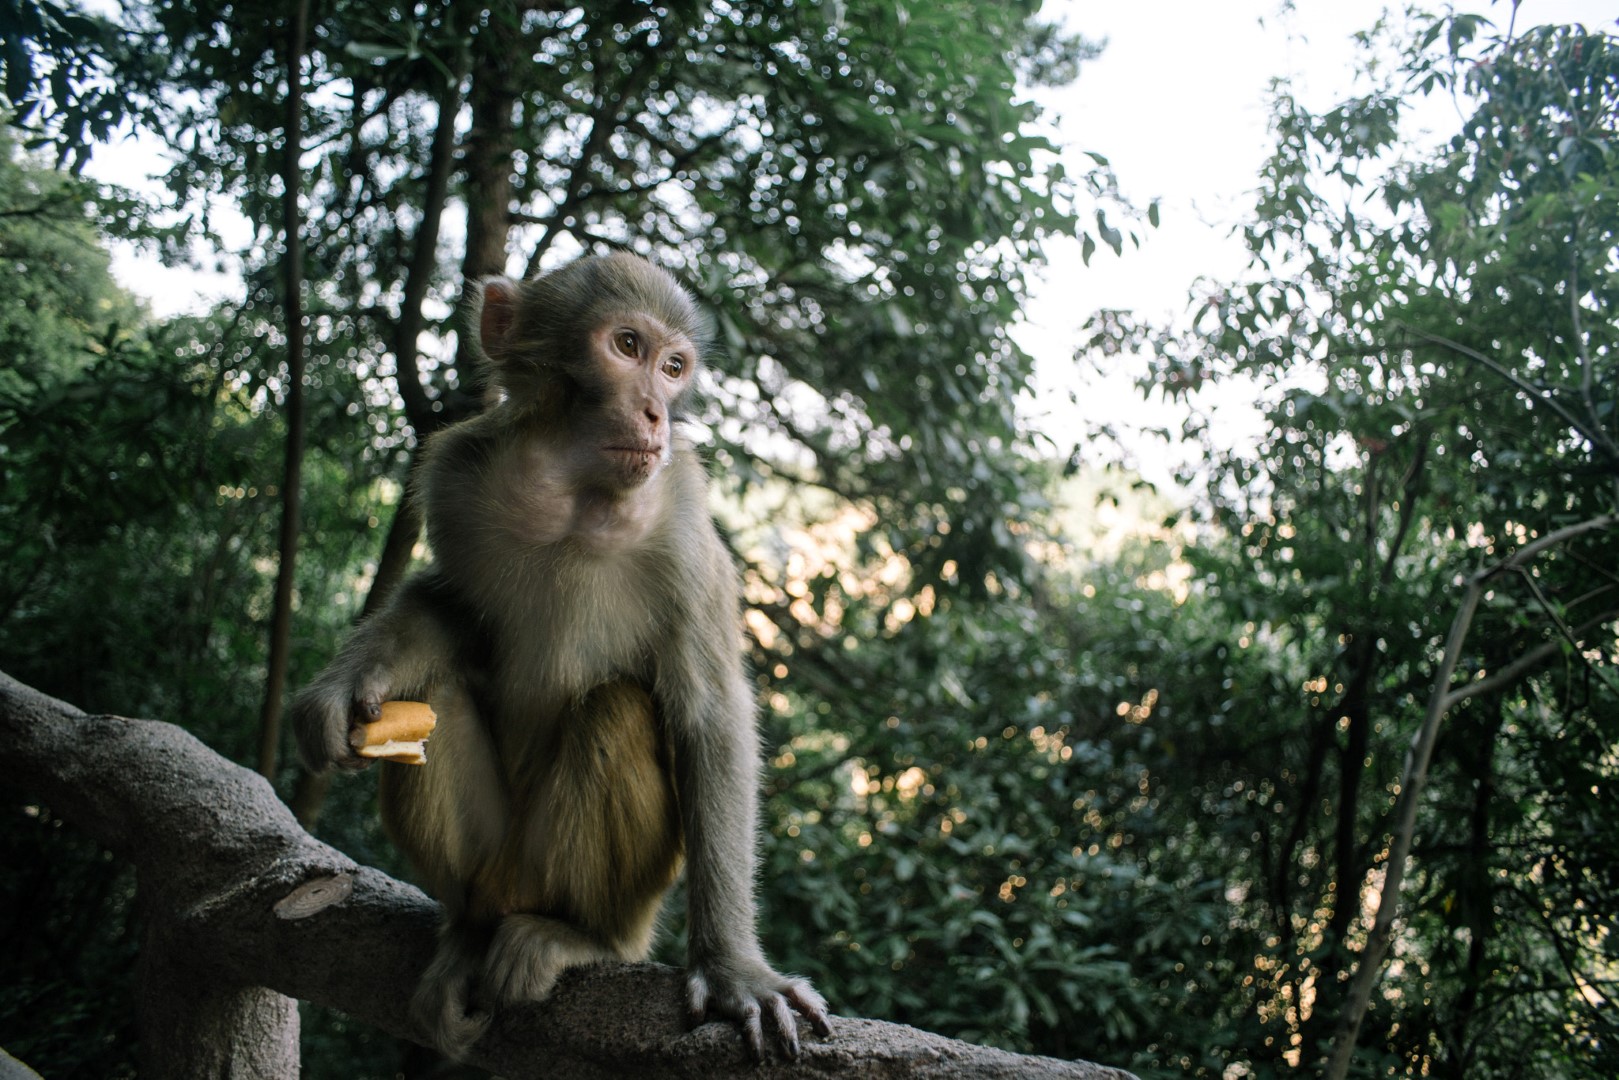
(1043, 772)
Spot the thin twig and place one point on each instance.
(1562, 627)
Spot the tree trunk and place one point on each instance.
(292, 473)
(423, 265)
(488, 159)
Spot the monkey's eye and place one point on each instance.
(627, 343)
(674, 367)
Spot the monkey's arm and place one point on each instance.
(400, 652)
(710, 709)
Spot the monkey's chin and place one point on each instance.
(631, 467)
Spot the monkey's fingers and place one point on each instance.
(746, 1000)
(704, 1001)
(362, 711)
(321, 720)
(365, 710)
(786, 1025)
(811, 1004)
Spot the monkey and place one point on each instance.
(577, 632)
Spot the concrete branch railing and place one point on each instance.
(245, 913)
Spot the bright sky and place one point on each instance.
(1178, 103)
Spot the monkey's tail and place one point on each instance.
(444, 1002)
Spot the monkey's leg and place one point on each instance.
(529, 952)
(599, 847)
(449, 816)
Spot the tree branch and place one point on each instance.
(424, 256)
(1527, 662)
(1410, 487)
(248, 907)
(605, 119)
(1596, 437)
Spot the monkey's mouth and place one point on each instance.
(635, 458)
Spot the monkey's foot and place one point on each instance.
(529, 952)
(745, 992)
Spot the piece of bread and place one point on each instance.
(401, 735)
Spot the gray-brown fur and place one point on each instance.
(578, 635)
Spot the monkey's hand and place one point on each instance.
(327, 714)
(746, 990)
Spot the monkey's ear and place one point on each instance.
(496, 313)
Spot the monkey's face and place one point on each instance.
(595, 359)
(632, 378)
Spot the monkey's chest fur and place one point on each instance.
(568, 621)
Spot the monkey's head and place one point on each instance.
(602, 351)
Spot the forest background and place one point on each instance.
(1060, 759)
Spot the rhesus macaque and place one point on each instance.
(578, 635)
